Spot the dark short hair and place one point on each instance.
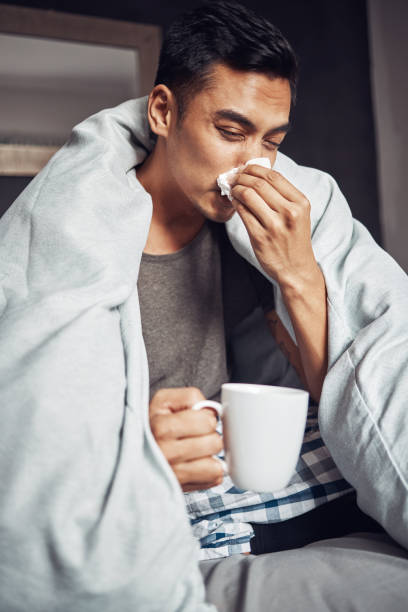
(226, 33)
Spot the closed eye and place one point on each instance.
(270, 144)
(229, 135)
(234, 136)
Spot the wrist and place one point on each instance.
(302, 284)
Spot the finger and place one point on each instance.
(290, 213)
(277, 180)
(175, 399)
(184, 424)
(267, 192)
(201, 473)
(189, 488)
(189, 449)
(251, 223)
(250, 201)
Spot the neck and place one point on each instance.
(175, 221)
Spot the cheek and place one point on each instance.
(202, 149)
(272, 157)
(196, 162)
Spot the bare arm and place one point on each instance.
(285, 343)
(277, 217)
(307, 309)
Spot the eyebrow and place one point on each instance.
(232, 115)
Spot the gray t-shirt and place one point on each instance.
(184, 300)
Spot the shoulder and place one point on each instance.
(320, 188)
(304, 175)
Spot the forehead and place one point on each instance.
(255, 95)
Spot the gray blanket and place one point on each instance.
(91, 515)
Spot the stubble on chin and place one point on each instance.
(226, 212)
(219, 211)
(220, 216)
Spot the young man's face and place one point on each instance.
(240, 116)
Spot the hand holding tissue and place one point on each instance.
(223, 181)
(276, 216)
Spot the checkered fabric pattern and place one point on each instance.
(221, 516)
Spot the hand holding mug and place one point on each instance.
(187, 438)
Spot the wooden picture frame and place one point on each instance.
(27, 160)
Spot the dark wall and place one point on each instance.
(333, 121)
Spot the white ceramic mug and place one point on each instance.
(263, 430)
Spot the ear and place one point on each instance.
(161, 110)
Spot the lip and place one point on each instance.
(227, 205)
(223, 199)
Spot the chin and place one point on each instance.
(219, 209)
(222, 218)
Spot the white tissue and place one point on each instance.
(225, 177)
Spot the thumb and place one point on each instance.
(175, 399)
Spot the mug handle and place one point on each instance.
(219, 410)
(209, 404)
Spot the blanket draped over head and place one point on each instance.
(91, 515)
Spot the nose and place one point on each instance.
(253, 151)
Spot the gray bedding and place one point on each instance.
(359, 573)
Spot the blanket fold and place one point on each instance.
(91, 516)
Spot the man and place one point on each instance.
(203, 128)
(92, 516)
